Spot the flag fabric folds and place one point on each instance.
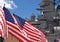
(13, 29)
(21, 29)
(3, 26)
(32, 32)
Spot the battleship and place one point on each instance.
(49, 19)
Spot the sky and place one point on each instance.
(23, 8)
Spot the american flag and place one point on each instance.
(32, 32)
(13, 29)
(3, 26)
(23, 30)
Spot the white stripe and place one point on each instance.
(15, 20)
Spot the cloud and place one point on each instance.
(8, 4)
